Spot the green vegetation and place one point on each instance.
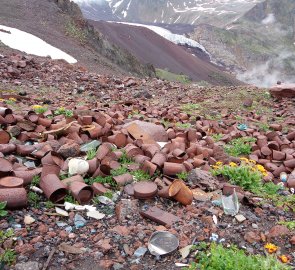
(189, 107)
(217, 137)
(69, 198)
(217, 257)
(108, 194)
(135, 113)
(239, 146)
(183, 176)
(65, 112)
(289, 224)
(75, 31)
(49, 204)
(124, 159)
(183, 125)
(40, 109)
(3, 212)
(36, 180)
(103, 180)
(245, 175)
(8, 257)
(140, 175)
(169, 76)
(34, 199)
(166, 124)
(119, 171)
(91, 154)
(263, 126)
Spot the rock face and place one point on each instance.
(283, 91)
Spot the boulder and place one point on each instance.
(283, 91)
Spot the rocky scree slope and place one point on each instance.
(192, 117)
(150, 47)
(61, 24)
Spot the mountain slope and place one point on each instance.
(152, 48)
(60, 23)
(217, 12)
(259, 46)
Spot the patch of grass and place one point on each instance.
(69, 198)
(183, 176)
(100, 179)
(244, 175)
(34, 199)
(239, 146)
(217, 257)
(63, 176)
(49, 204)
(135, 113)
(39, 109)
(75, 31)
(3, 212)
(4, 235)
(8, 257)
(119, 171)
(124, 159)
(65, 112)
(140, 175)
(166, 124)
(289, 224)
(183, 125)
(91, 154)
(217, 137)
(263, 126)
(189, 107)
(108, 194)
(164, 74)
(36, 180)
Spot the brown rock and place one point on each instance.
(43, 229)
(248, 102)
(126, 208)
(122, 230)
(252, 237)
(283, 91)
(104, 244)
(292, 240)
(69, 150)
(278, 231)
(106, 264)
(26, 249)
(203, 179)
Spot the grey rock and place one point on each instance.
(203, 179)
(31, 265)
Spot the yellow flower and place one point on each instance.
(12, 99)
(1, 99)
(244, 159)
(218, 163)
(252, 161)
(271, 248)
(284, 259)
(260, 168)
(215, 167)
(232, 164)
(36, 107)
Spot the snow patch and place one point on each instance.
(31, 44)
(175, 38)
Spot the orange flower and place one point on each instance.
(284, 259)
(271, 248)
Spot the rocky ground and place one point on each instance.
(195, 122)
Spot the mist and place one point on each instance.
(267, 74)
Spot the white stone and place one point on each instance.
(29, 220)
(240, 218)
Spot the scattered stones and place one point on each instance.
(31, 265)
(278, 231)
(28, 220)
(240, 218)
(252, 237)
